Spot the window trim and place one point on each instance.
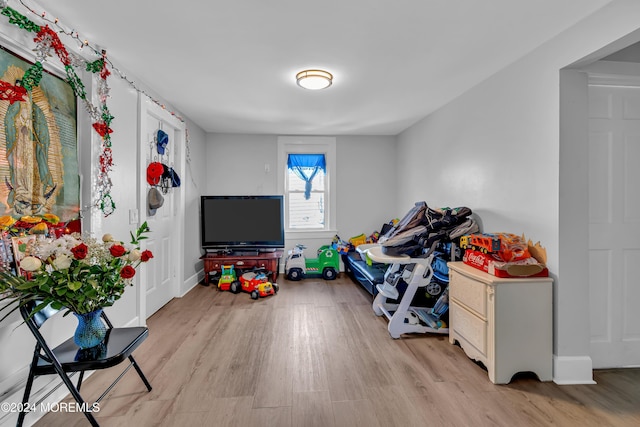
(310, 144)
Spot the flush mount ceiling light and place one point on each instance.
(314, 79)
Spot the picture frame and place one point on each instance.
(38, 144)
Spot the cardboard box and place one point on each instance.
(529, 267)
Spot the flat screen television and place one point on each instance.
(242, 222)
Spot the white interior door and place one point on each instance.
(162, 280)
(614, 225)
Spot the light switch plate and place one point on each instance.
(133, 216)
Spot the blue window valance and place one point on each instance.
(306, 166)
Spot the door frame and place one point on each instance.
(148, 107)
(572, 348)
(622, 75)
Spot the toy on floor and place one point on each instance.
(327, 264)
(340, 245)
(358, 240)
(227, 278)
(256, 284)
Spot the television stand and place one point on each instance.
(270, 261)
(242, 252)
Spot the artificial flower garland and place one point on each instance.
(47, 224)
(47, 40)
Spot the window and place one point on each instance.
(307, 165)
(306, 191)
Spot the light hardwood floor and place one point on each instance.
(316, 355)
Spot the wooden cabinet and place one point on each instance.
(242, 261)
(507, 324)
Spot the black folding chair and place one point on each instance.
(67, 359)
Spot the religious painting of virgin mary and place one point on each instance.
(38, 144)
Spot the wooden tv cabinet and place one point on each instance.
(213, 261)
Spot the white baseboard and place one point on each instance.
(192, 282)
(572, 370)
(133, 322)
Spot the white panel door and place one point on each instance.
(161, 279)
(614, 225)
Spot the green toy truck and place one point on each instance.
(228, 278)
(326, 265)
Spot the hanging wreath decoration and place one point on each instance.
(47, 41)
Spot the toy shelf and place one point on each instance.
(404, 318)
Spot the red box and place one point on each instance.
(529, 267)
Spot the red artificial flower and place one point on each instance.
(102, 129)
(22, 225)
(146, 256)
(56, 44)
(104, 73)
(127, 272)
(80, 251)
(11, 93)
(117, 250)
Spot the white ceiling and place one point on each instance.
(229, 65)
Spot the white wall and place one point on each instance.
(123, 106)
(193, 181)
(367, 185)
(16, 342)
(235, 164)
(496, 150)
(366, 192)
(125, 178)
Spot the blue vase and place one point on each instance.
(90, 331)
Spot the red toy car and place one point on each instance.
(256, 284)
